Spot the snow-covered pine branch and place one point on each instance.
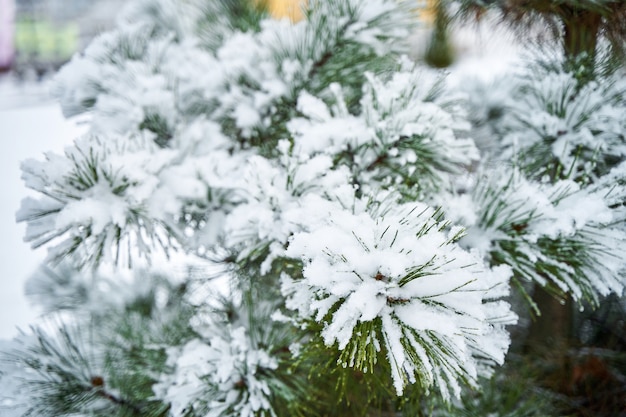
(560, 236)
(551, 122)
(300, 167)
(403, 138)
(395, 286)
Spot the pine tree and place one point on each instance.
(270, 218)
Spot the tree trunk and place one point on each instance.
(549, 339)
(580, 37)
(551, 330)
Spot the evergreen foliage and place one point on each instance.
(270, 218)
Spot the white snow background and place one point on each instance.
(31, 123)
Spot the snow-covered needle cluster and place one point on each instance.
(556, 215)
(206, 374)
(397, 282)
(554, 234)
(270, 218)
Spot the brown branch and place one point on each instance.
(97, 385)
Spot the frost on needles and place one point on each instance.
(262, 221)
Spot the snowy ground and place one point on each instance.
(31, 124)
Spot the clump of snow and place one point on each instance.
(550, 116)
(220, 377)
(94, 194)
(534, 227)
(401, 270)
(406, 125)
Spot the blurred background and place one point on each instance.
(36, 38)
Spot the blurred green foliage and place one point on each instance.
(45, 41)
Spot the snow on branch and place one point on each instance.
(397, 283)
(560, 236)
